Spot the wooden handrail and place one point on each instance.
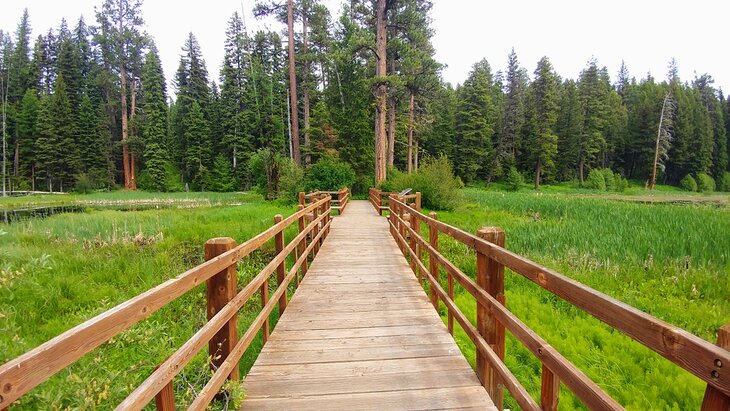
(679, 346)
(341, 198)
(25, 372)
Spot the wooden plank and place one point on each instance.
(434, 398)
(360, 383)
(360, 332)
(354, 368)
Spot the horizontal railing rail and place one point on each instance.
(690, 352)
(27, 371)
(340, 198)
(379, 199)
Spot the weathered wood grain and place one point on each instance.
(360, 333)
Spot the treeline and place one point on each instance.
(88, 107)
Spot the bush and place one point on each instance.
(328, 174)
(291, 181)
(723, 183)
(595, 180)
(264, 168)
(688, 183)
(83, 184)
(705, 183)
(434, 179)
(609, 179)
(619, 184)
(514, 179)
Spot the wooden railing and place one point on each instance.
(220, 333)
(707, 361)
(379, 199)
(340, 198)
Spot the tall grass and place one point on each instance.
(668, 260)
(61, 271)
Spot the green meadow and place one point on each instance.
(666, 258)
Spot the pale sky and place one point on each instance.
(646, 34)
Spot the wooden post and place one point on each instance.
(550, 391)
(413, 245)
(165, 399)
(314, 232)
(339, 202)
(265, 327)
(379, 201)
(219, 290)
(281, 269)
(490, 276)
(301, 198)
(303, 244)
(433, 240)
(714, 399)
(418, 201)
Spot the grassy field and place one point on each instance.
(668, 258)
(60, 271)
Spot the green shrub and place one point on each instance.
(619, 184)
(514, 179)
(595, 180)
(434, 179)
(723, 183)
(264, 170)
(609, 179)
(83, 184)
(688, 183)
(705, 183)
(328, 174)
(291, 181)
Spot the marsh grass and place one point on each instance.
(668, 260)
(60, 271)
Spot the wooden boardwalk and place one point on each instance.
(360, 333)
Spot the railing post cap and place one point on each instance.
(433, 214)
(278, 217)
(490, 233)
(220, 240)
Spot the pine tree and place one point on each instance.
(197, 152)
(592, 140)
(27, 129)
(154, 124)
(90, 139)
(514, 117)
(475, 120)
(56, 153)
(544, 115)
(569, 128)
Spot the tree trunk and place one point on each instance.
(305, 47)
(293, 86)
(381, 96)
(132, 158)
(411, 110)
(391, 122)
(580, 172)
(123, 101)
(538, 169)
(415, 156)
(16, 159)
(32, 177)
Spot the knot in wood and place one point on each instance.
(541, 278)
(7, 387)
(671, 339)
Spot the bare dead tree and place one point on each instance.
(663, 137)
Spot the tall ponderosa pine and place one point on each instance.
(122, 20)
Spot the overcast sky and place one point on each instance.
(646, 34)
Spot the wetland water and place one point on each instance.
(20, 214)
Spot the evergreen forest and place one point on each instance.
(86, 106)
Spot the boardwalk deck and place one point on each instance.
(360, 333)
